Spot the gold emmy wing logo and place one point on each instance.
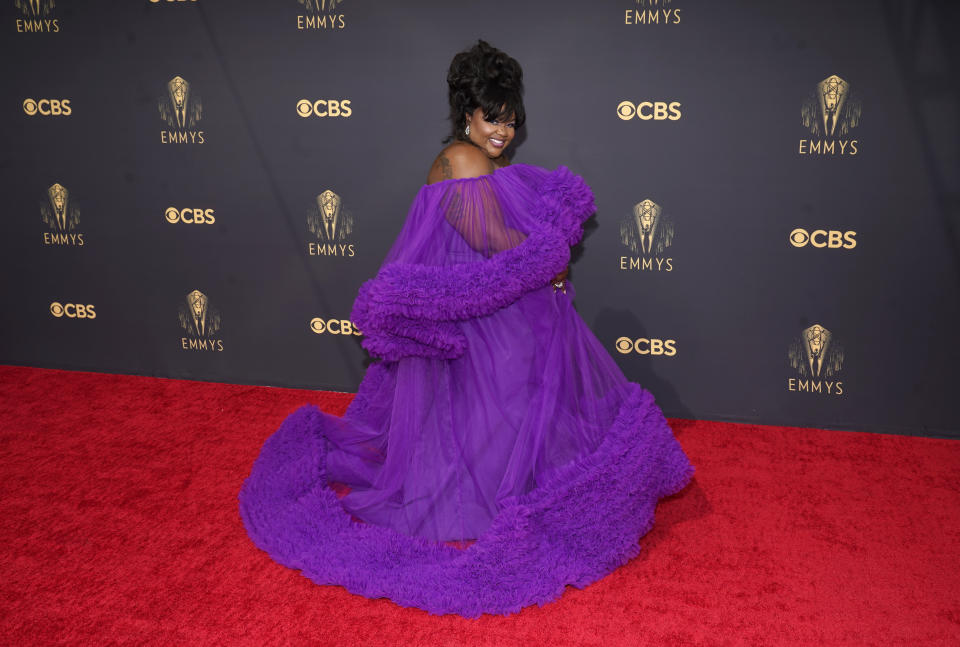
(61, 214)
(331, 224)
(830, 113)
(37, 16)
(320, 14)
(35, 8)
(201, 322)
(648, 233)
(181, 109)
(817, 357)
(177, 107)
(652, 12)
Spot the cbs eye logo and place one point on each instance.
(334, 326)
(821, 238)
(72, 310)
(189, 216)
(47, 107)
(324, 108)
(645, 346)
(647, 110)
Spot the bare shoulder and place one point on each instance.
(459, 160)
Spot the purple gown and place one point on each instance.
(493, 414)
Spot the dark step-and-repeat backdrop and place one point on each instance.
(196, 189)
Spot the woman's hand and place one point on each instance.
(559, 279)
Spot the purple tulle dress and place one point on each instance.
(493, 414)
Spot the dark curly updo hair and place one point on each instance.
(484, 77)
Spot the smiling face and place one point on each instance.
(492, 137)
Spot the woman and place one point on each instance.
(493, 414)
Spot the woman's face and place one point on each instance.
(491, 136)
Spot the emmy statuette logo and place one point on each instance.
(817, 357)
(652, 12)
(60, 212)
(648, 234)
(830, 114)
(37, 17)
(200, 322)
(321, 15)
(330, 226)
(181, 109)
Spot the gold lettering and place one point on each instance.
(181, 137)
(213, 345)
(822, 147)
(331, 249)
(814, 386)
(641, 263)
(62, 238)
(321, 22)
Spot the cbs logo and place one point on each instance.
(334, 326)
(47, 107)
(72, 310)
(324, 108)
(821, 238)
(647, 110)
(189, 216)
(644, 346)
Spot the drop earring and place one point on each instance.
(466, 131)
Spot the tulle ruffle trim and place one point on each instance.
(581, 524)
(410, 310)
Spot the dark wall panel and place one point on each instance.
(797, 164)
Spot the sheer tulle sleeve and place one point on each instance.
(469, 247)
(474, 211)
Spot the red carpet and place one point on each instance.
(120, 526)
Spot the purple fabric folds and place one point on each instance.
(408, 309)
(493, 414)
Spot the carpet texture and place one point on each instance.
(119, 525)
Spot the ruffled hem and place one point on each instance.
(581, 524)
